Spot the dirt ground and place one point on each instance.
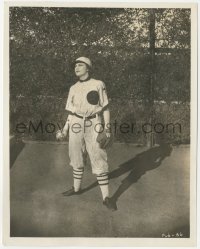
(149, 186)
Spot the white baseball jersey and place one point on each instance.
(87, 98)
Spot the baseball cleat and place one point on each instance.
(71, 192)
(110, 204)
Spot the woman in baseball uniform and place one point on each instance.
(87, 103)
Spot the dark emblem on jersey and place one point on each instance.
(93, 97)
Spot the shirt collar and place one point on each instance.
(88, 78)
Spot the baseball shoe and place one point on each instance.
(71, 192)
(110, 204)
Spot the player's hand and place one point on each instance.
(108, 133)
(60, 135)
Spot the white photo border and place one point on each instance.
(183, 242)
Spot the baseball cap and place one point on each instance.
(84, 60)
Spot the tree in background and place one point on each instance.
(44, 42)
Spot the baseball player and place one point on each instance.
(87, 104)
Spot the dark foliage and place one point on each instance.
(44, 42)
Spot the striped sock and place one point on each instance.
(103, 183)
(78, 175)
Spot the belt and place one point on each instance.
(90, 117)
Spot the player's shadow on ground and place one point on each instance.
(138, 166)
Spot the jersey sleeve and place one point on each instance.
(69, 105)
(103, 98)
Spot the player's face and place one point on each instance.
(81, 69)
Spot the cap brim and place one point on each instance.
(79, 61)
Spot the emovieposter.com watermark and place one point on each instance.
(114, 127)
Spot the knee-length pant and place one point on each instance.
(82, 140)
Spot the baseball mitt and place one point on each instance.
(103, 140)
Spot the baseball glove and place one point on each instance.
(103, 140)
